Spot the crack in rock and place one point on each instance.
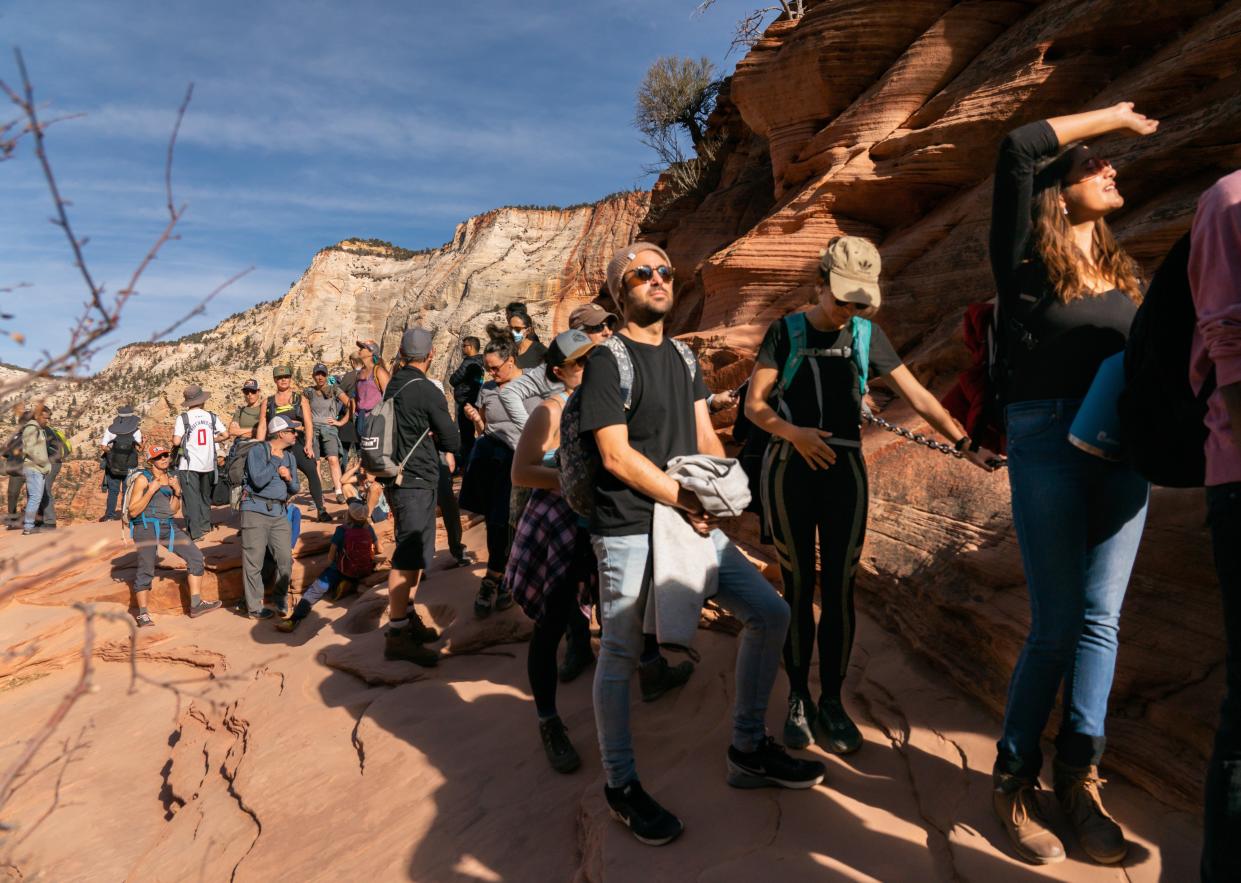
(938, 841)
(240, 728)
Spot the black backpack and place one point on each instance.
(122, 456)
(1162, 421)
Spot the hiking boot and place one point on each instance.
(556, 745)
(27, 531)
(798, 732)
(504, 599)
(1077, 789)
(658, 677)
(143, 620)
(402, 644)
(423, 632)
(324, 517)
(649, 822)
(1015, 801)
(264, 613)
(770, 765)
(576, 660)
(340, 497)
(287, 625)
(485, 598)
(203, 607)
(462, 558)
(837, 732)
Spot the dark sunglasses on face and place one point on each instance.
(848, 305)
(1091, 168)
(645, 273)
(163, 457)
(596, 329)
(493, 369)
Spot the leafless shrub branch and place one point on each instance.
(750, 27)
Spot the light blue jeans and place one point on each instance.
(624, 582)
(1078, 519)
(34, 495)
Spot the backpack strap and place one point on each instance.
(624, 366)
(860, 329)
(795, 326)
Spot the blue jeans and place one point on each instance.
(624, 577)
(34, 495)
(1078, 519)
(114, 494)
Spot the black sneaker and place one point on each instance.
(771, 766)
(485, 597)
(324, 517)
(265, 613)
(649, 822)
(422, 632)
(837, 732)
(143, 620)
(504, 599)
(797, 729)
(560, 751)
(658, 677)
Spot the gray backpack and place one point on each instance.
(579, 462)
(377, 447)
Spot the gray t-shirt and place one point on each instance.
(499, 424)
(323, 406)
(521, 396)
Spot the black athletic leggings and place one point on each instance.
(310, 469)
(560, 610)
(800, 501)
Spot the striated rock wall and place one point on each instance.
(882, 119)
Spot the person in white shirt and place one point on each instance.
(196, 433)
(117, 459)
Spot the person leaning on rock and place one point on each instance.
(154, 500)
(270, 480)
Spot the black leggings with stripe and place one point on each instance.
(798, 502)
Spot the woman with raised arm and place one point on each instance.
(1067, 296)
(807, 392)
(551, 558)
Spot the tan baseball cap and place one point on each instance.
(851, 265)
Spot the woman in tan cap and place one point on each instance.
(807, 392)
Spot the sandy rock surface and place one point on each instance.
(244, 754)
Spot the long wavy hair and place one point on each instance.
(1067, 267)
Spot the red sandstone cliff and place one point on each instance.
(882, 119)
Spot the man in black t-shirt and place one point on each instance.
(667, 417)
(423, 429)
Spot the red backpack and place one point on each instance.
(357, 558)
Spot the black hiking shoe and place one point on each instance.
(263, 613)
(837, 732)
(143, 620)
(485, 598)
(658, 677)
(798, 732)
(324, 517)
(771, 765)
(560, 751)
(423, 632)
(504, 599)
(203, 607)
(403, 644)
(649, 822)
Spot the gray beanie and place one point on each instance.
(622, 259)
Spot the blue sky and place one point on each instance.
(311, 122)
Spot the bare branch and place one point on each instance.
(201, 306)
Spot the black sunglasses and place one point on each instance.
(596, 329)
(644, 273)
(849, 305)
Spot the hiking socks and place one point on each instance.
(195, 599)
(142, 611)
(650, 649)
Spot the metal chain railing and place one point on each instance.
(920, 439)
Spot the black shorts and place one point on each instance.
(413, 513)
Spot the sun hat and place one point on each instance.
(622, 259)
(851, 265)
(357, 511)
(194, 396)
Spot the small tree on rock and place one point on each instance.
(676, 96)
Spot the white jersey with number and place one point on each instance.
(197, 439)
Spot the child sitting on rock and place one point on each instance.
(354, 549)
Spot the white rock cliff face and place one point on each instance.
(552, 259)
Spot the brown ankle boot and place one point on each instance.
(403, 644)
(1015, 800)
(1077, 788)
